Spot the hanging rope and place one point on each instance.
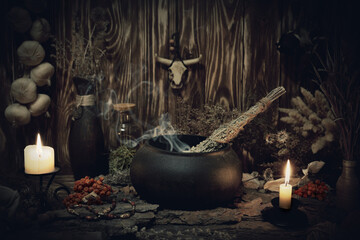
(85, 100)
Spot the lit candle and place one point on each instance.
(39, 159)
(285, 190)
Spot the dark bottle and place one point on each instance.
(86, 140)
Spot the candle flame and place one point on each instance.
(287, 172)
(38, 145)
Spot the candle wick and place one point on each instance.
(39, 155)
(286, 184)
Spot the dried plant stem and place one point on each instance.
(89, 44)
(347, 134)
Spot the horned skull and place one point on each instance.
(176, 69)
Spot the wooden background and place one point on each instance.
(237, 39)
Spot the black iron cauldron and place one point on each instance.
(181, 180)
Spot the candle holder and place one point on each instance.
(288, 218)
(43, 193)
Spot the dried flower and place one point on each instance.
(311, 118)
(270, 138)
(282, 136)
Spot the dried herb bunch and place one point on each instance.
(120, 159)
(341, 86)
(85, 52)
(201, 121)
(251, 141)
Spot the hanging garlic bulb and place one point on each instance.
(20, 19)
(17, 114)
(31, 53)
(42, 74)
(40, 105)
(40, 30)
(23, 90)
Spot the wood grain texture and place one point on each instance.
(64, 88)
(237, 39)
(312, 18)
(138, 30)
(261, 58)
(224, 52)
(9, 152)
(191, 28)
(10, 148)
(289, 66)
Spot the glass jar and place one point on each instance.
(126, 129)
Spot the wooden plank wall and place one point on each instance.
(236, 38)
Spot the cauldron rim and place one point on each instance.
(225, 146)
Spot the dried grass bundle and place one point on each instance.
(311, 118)
(85, 51)
(342, 89)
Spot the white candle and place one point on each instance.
(285, 190)
(39, 159)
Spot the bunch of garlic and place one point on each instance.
(29, 102)
(30, 53)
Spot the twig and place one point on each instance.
(88, 43)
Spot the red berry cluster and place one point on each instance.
(312, 189)
(85, 186)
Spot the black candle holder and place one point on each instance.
(288, 218)
(43, 193)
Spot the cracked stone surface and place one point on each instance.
(240, 221)
(203, 217)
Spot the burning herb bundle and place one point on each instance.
(229, 131)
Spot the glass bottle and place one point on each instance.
(127, 131)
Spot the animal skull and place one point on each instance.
(176, 69)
